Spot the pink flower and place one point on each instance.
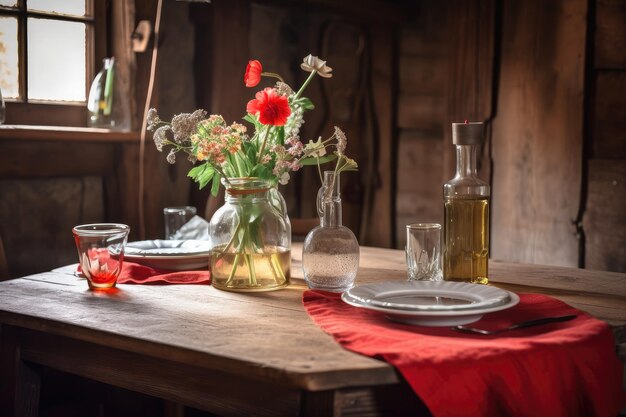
(272, 108)
(253, 73)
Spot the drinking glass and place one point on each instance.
(101, 252)
(423, 252)
(175, 218)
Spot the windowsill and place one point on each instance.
(62, 133)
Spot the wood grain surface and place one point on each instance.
(538, 133)
(195, 335)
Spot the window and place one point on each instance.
(47, 55)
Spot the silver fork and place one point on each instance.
(529, 323)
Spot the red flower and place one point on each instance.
(253, 73)
(273, 109)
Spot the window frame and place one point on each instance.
(24, 111)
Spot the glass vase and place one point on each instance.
(330, 255)
(251, 238)
(107, 103)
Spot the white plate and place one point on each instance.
(428, 293)
(174, 255)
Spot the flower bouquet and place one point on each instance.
(251, 166)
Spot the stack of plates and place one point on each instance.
(430, 303)
(175, 255)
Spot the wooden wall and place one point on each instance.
(51, 180)
(604, 219)
(548, 78)
(359, 44)
(422, 116)
(538, 132)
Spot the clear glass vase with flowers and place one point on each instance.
(250, 234)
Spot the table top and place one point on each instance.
(266, 336)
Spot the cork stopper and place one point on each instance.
(467, 133)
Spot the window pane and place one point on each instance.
(8, 3)
(73, 7)
(56, 60)
(9, 69)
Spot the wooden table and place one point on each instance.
(232, 353)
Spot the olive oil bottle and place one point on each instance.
(466, 211)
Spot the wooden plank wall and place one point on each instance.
(549, 78)
(49, 183)
(358, 98)
(422, 102)
(165, 184)
(604, 222)
(538, 132)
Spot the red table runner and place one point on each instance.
(133, 273)
(561, 369)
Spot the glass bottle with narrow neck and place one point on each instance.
(330, 254)
(466, 211)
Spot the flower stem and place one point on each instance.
(232, 271)
(277, 269)
(306, 83)
(251, 271)
(319, 169)
(273, 74)
(267, 132)
(240, 170)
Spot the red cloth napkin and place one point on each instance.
(133, 273)
(561, 369)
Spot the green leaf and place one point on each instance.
(251, 153)
(215, 187)
(260, 171)
(280, 135)
(195, 171)
(306, 103)
(311, 160)
(204, 179)
(255, 122)
(202, 174)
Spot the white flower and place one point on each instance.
(312, 63)
(153, 119)
(283, 89)
(171, 157)
(315, 148)
(184, 125)
(160, 137)
(342, 140)
(284, 178)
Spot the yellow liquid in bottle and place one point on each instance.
(466, 239)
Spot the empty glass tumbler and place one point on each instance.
(423, 252)
(175, 218)
(101, 252)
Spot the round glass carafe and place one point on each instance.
(251, 238)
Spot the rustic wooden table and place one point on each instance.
(233, 353)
